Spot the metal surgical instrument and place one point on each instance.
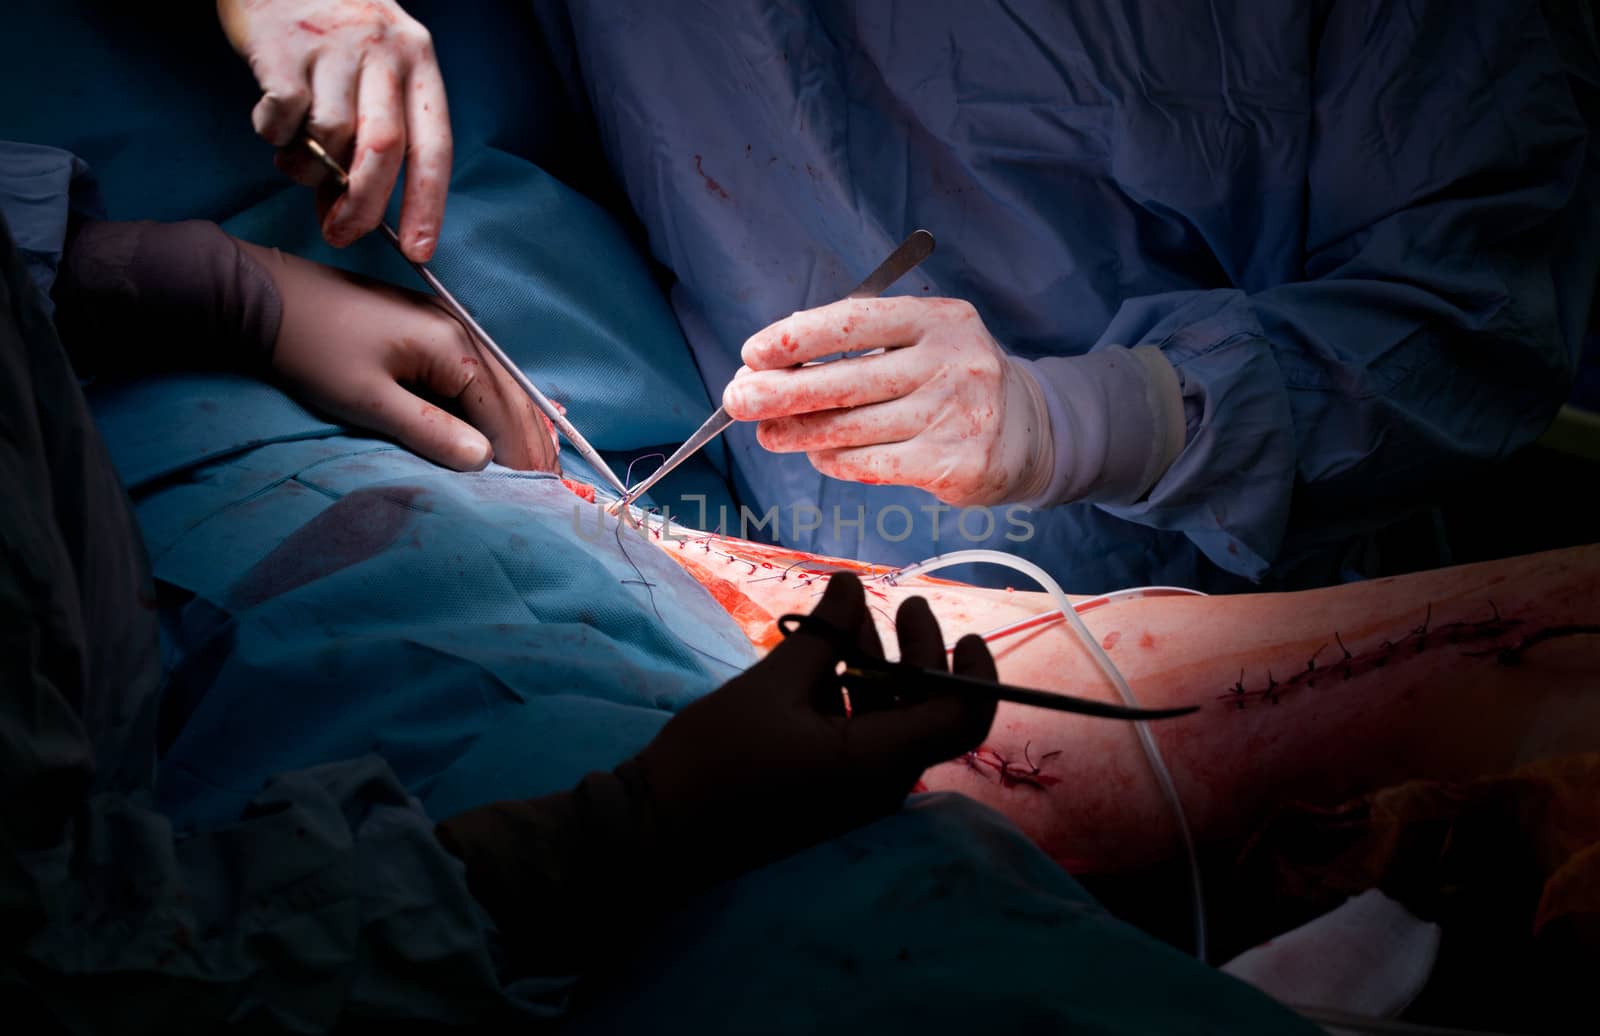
(901, 261)
(549, 409)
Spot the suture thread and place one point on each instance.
(650, 594)
(1010, 774)
(1354, 664)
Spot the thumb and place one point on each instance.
(285, 102)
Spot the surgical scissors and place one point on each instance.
(549, 409)
(901, 261)
(876, 683)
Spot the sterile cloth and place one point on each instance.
(1368, 957)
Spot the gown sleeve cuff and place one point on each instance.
(1116, 420)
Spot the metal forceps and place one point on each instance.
(875, 683)
(549, 409)
(901, 261)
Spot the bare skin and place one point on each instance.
(1313, 696)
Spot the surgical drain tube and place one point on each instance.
(1147, 742)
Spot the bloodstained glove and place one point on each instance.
(363, 79)
(942, 406)
(759, 769)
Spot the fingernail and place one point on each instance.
(261, 117)
(338, 234)
(422, 247)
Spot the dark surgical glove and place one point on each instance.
(140, 297)
(759, 769)
(143, 297)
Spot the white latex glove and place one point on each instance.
(364, 72)
(943, 408)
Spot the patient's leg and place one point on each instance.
(1314, 695)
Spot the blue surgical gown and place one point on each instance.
(1363, 232)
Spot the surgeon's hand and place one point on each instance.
(757, 769)
(378, 357)
(943, 409)
(766, 765)
(361, 77)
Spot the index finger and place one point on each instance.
(844, 326)
(851, 382)
(429, 152)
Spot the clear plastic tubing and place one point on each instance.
(1147, 742)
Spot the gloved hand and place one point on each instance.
(356, 348)
(366, 75)
(944, 408)
(767, 765)
(141, 296)
(758, 769)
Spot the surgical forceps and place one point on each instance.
(901, 261)
(875, 683)
(549, 409)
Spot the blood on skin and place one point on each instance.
(1011, 774)
(1228, 763)
(583, 492)
(760, 625)
(1110, 639)
(311, 28)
